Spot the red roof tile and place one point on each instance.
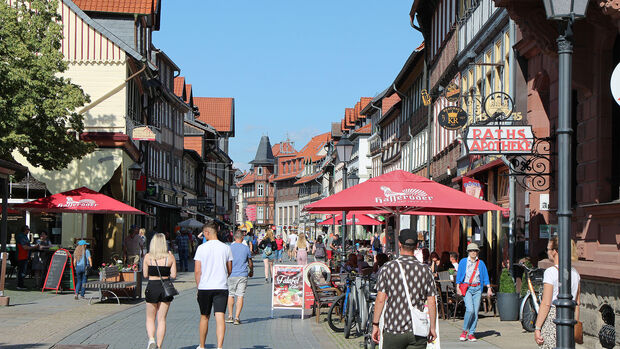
(247, 179)
(188, 92)
(179, 84)
(363, 103)
(388, 102)
(284, 149)
(145, 7)
(365, 130)
(314, 147)
(217, 112)
(307, 179)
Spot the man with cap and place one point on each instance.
(133, 246)
(404, 287)
(472, 274)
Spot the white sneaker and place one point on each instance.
(199, 347)
(152, 344)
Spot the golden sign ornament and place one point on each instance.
(452, 92)
(498, 105)
(452, 118)
(426, 98)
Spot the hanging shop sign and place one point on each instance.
(472, 187)
(452, 93)
(143, 133)
(615, 84)
(452, 118)
(426, 98)
(500, 139)
(498, 105)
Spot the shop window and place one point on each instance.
(259, 171)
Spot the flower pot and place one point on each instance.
(508, 306)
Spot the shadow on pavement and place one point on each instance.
(20, 346)
(256, 319)
(490, 333)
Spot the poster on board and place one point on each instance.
(287, 288)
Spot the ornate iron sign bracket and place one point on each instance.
(533, 171)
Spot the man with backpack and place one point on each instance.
(318, 250)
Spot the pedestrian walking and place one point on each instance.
(268, 245)
(280, 245)
(375, 244)
(301, 250)
(242, 268)
(544, 333)
(182, 242)
(292, 245)
(406, 325)
(159, 264)
(473, 275)
(133, 246)
(328, 245)
(82, 261)
(23, 255)
(213, 266)
(319, 250)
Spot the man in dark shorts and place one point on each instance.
(213, 265)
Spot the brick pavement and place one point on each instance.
(60, 319)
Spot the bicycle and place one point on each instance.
(531, 301)
(338, 314)
(370, 295)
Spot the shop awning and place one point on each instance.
(160, 204)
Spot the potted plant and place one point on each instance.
(507, 298)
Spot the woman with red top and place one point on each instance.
(280, 244)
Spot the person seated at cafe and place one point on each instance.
(23, 254)
(444, 261)
(39, 259)
(454, 260)
(382, 258)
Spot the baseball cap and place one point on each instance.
(408, 237)
(82, 242)
(473, 247)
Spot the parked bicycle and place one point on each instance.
(531, 301)
(338, 314)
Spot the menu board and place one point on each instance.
(60, 269)
(288, 287)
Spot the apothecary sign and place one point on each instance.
(500, 139)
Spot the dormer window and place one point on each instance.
(259, 171)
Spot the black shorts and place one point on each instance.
(216, 299)
(155, 292)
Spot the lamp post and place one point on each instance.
(344, 148)
(565, 11)
(352, 180)
(234, 191)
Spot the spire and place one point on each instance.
(264, 155)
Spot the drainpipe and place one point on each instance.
(512, 188)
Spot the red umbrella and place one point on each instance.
(81, 200)
(401, 192)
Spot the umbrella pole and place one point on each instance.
(83, 224)
(396, 233)
(353, 230)
(344, 233)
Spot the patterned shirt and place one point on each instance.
(182, 242)
(421, 285)
(471, 266)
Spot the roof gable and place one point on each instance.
(144, 7)
(217, 112)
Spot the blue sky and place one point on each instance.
(292, 66)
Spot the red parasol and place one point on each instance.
(360, 219)
(81, 200)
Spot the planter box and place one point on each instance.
(136, 276)
(508, 306)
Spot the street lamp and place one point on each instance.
(352, 180)
(135, 171)
(565, 11)
(344, 148)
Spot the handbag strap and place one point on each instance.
(474, 273)
(158, 272)
(402, 275)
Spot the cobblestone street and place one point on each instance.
(51, 320)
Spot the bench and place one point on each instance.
(324, 295)
(110, 284)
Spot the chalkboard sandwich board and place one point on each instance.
(60, 272)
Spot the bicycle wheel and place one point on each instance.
(368, 342)
(349, 318)
(335, 316)
(528, 322)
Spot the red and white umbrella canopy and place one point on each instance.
(81, 200)
(402, 192)
(360, 219)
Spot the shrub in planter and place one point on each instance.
(507, 298)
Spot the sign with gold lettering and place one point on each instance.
(500, 139)
(452, 118)
(498, 105)
(452, 93)
(143, 133)
(426, 98)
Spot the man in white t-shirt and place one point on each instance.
(292, 243)
(213, 265)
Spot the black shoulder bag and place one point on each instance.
(169, 290)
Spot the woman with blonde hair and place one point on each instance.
(81, 262)
(269, 247)
(302, 250)
(159, 264)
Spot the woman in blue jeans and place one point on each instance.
(81, 262)
(473, 273)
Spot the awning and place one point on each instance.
(160, 204)
(485, 167)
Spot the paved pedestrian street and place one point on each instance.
(61, 322)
